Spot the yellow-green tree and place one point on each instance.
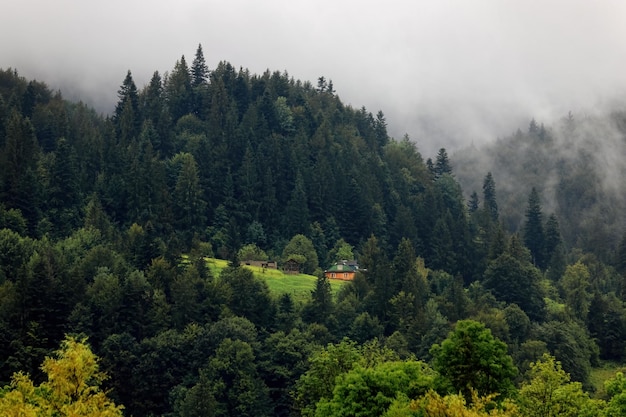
(454, 405)
(72, 388)
(549, 393)
(576, 284)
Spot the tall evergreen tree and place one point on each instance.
(178, 90)
(200, 84)
(442, 164)
(380, 129)
(187, 195)
(297, 210)
(473, 203)
(620, 260)
(63, 195)
(534, 237)
(321, 305)
(554, 251)
(126, 115)
(154, 110)
(489, 197)
(19, 159)
(199, 69)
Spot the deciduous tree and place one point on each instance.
(472, 359)
(72, 387)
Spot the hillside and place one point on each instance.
(512, 254)
(576, 166)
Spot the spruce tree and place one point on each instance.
(199, 69)
(442, 164)
(534, 237)
(178, 90)
(126, 115)
(489, 197)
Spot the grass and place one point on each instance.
(605, 372)
(298, 285)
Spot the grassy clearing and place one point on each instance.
(298, 285)
(605, 372)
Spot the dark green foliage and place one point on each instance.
(571, 345)
(321, 305)
(370, 391)
(203, 162)
(607, 325)
(20, 188)
(281, 362)
(300, 249)
(489, 197)
(178, 90)
(235, 383)
(197, 401)
(126, 116)
(442, 164)
(248, 296)
(513, 279)
(199, 69)
(534, 237)
(471, 358)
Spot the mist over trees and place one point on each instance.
(513, 255)
(575, 166)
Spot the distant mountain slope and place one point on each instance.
(577, 166)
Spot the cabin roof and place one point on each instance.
(344, 266)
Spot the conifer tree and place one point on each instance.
(473, 203)
(534, 237)
(19, 159)
(442, 164)
(489, 197)
(297, 209)
(178, 90)
(199, 69)
(126, 116)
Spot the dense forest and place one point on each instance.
(489, 281)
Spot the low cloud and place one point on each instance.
(448, 73)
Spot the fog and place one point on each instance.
(448, 73)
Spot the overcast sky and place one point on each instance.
(446, 72)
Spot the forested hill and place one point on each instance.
(107, 222)
(223, 156)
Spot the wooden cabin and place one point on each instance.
(343, 270)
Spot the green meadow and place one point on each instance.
(298, 285)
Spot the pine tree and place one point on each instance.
(620, 261)
(473, 203)
(297, 210)
(380, 128)
(178, 90)
(63, 192)
(19, 159)
(489, 197)
(321, 305)
(554, 251)
(199, 69)
(442, 164)
(187, 194)
(534, 237)
(200, 85)
(126, 115)
(154, 110)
